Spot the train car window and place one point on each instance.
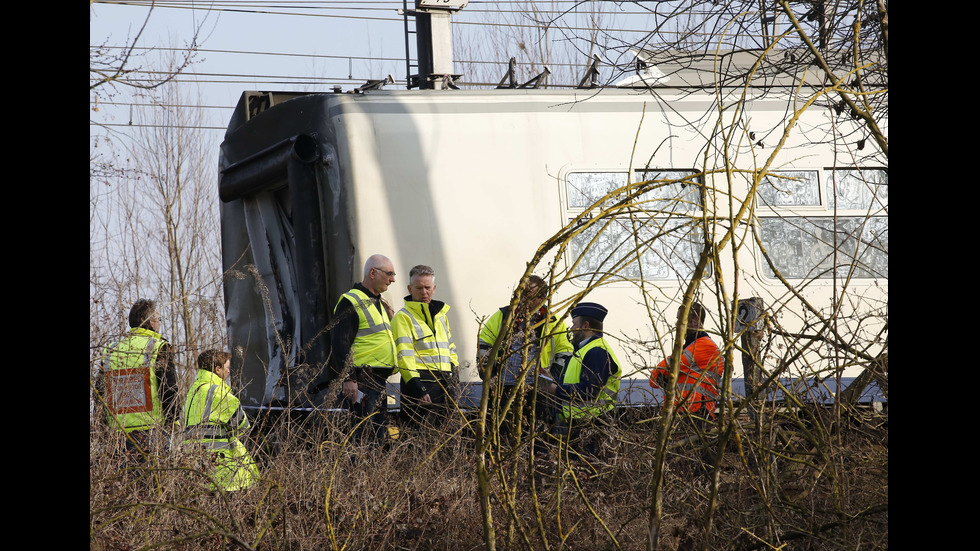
(657, 238)
(671, 191)
(668, 249)
(847, 236)
(790, 188)
(584, 189)
(853, 189)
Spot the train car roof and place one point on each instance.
(687, 73)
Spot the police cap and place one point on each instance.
(590, 310)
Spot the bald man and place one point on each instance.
(362, 345)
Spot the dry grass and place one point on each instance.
(780, 487)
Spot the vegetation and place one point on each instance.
(800, 483)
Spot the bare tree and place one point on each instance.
(153, 228)
(125, 261)
(112, 67)
(819, 56)
(120, 71)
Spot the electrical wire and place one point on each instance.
(460, 18)
(319, 8)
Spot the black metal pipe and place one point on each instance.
(265, 169)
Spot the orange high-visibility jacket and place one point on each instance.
(698, 377)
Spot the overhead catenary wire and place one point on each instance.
(521, 8)
(169, 126)
(459, 19)
(311, 8)
(339, 57)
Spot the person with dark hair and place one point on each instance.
(426, 353)
(138, 379)
(214, 420)
(700, 370)
(591, 380)
(363, 347)
(538, 347)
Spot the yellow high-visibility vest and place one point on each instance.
(214, 419)
(555, 347)
(374, 345)
(418, 346)
(606, 398)
(132, 388)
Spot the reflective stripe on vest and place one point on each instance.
(373, 345)
(132, 389)
(201, 426)
(606, 398)
(708, 377)
(206, 432)
(431, 350)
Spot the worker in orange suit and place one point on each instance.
(701, 368)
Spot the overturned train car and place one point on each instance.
(473, 182)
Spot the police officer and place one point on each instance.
(138, 379)
(426, 353)
(591, 380)
(363, 347)
(214, 420)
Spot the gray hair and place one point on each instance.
(422, 270)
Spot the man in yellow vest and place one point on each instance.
(214, 419)
(138, 379)
(591, 380)
(537, 338)
(362, 348)
(425, 353)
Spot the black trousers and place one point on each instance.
(443, 394)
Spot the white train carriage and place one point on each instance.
(473, 183)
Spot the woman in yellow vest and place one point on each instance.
(214, 420)
(536, 334)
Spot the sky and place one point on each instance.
(264, 45)
(238, 48)
(307, 45)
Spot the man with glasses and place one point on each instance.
(363, 348)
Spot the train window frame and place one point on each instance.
(679, 208)
(819, 241)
